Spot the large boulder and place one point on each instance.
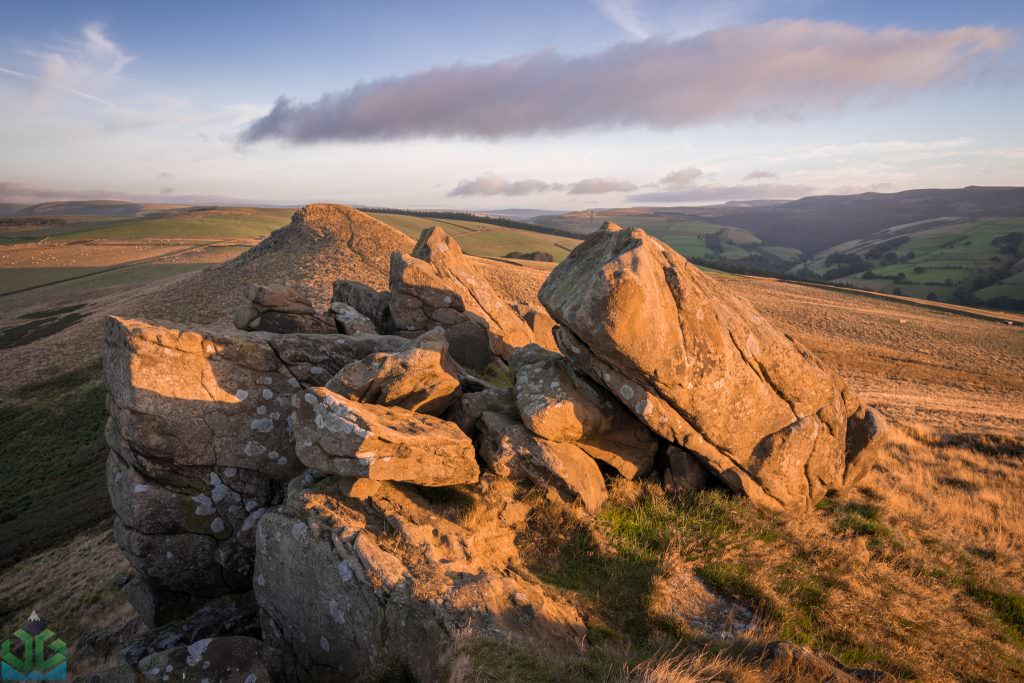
(278, 308)
(380, 585)
(438, 286)
(352, 439)
(704, 370)
(421, 378)
(229, 659)
(199, 444)
(511, 450)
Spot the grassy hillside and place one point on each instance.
(967, 262)
(221, 223)
(484, 239)
(692, 238)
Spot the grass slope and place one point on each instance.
(52, 451)
(233, 223)
(484, 239)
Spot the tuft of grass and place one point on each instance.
(861, 519)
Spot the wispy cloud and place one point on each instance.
(780, 69)
(600, 186)
(760, 175)
(80, 66)
(625, 14)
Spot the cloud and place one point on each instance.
(167, 190)
(490, 184)
(781, 69)
(681, 178)
(724, 193)
(624, 13)
(760, 175)
(600, 186)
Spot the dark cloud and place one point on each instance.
(724, 193)
(777, 69)
(760, 175)
(491, 184)
(601, 186)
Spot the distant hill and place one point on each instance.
(7, 209)
(815, 223)
(97, 207)
(520, 214)
(705, 242)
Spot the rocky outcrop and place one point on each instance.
(276, 308)
(421, 378)
(200, 446)
(558, 404)
(511, 450)
(438, 286)
(703, 369)
(379, 586)
(363, 493)
(352, 439)
(365, 300)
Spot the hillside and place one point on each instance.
(97, 207)
(915, 570)
(694, 238)
(484, 239)
(967, 262)
(815, 223)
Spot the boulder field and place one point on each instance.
(347, 485)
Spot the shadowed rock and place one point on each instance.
(276, 308)
(352, 439)
(439, 286)
(703, 369)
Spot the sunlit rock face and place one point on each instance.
(704, 370)
(367, 580)
(199, 438)
(438, 286)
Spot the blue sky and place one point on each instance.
(488, 105)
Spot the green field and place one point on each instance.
(211, 224)
(484, 239)
(694, 239)
(960, 261)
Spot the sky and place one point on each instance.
(488, 105)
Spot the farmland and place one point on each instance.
(949, 260)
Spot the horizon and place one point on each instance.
(468, 108)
